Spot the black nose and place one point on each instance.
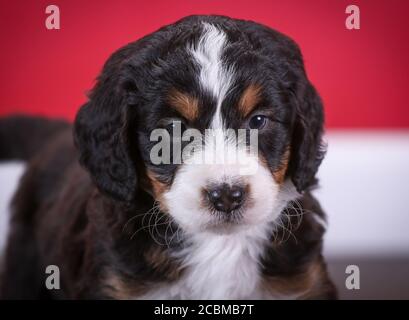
(226, 198)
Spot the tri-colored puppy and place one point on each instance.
(125, 226)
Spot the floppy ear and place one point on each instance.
(100, 134)
(307, 148)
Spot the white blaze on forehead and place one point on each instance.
(214, 76)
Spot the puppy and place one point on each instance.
(119, 224)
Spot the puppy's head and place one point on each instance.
(214, 117)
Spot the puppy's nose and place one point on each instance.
(226, 198)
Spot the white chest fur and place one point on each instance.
(218, 267)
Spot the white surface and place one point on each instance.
(364, 190)
(10, 173)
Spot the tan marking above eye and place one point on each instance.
(250, 97)
(185, 104)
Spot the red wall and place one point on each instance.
(362, 75)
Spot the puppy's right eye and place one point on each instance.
(258, 122)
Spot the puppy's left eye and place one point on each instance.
(174, 124)
(258, 122)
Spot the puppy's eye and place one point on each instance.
(258, 122)
(174, 125)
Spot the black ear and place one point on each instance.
(100, 134)
(307, 150)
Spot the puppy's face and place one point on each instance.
(215, 119)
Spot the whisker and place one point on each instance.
(142, 228)
(155, 205)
